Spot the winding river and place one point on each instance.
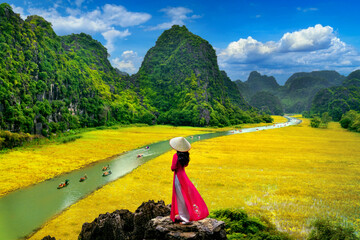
(25, 210)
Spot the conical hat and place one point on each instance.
(180, 144)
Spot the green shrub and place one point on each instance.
(325, 230)
(351, 121)
(315, 122)
(240, 226)
(69, 139)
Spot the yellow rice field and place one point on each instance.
(291, 175)
(23, 167)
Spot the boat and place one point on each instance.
(65, 184)
(83, 178)
(106, 168)
(107, 173)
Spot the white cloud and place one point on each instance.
(311, 9)
(118, 15)
(99, 20)
(177, 15)
(310, 39)
(18, 10)
(111, 35)
(314, 48)
(78, 3)
(128, 62)
(102, 20)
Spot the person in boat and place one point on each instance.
(106, 167)
(187, 204)
(139, 155)
(147, 147)
(83, 178)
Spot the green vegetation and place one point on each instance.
(50, 83)
(181, 80)
(351, 121)
(317, 122)
(11, 140)
(325, 230)
(240, 226)
(297, 93)
(339, 100)
(267, 103)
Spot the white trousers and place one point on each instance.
(183, 212)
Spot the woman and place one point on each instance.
(187, 204)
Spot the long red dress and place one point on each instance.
(195, 205)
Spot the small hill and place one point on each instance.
(338, 100)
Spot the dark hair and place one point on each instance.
(183, 158)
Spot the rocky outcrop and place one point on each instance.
(164, 228)
(146, 212)
(150, 221)
(116, 225)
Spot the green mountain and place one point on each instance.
(297, 93)
(257, 83)
(338, 100)
(50, 83)
(267, 102)
(181, 80)
(300, 89)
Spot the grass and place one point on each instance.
(290, 175)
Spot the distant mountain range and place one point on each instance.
(51, 83)
(298, 92)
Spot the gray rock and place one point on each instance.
(110, 226)
(149, 222)
(164, 228)
(146, 212)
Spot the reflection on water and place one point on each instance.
(22, 211)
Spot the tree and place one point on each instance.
(315, 122)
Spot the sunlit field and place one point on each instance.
(290, 175)
(25, 166)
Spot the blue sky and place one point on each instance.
(276, 38)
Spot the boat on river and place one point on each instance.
(107, 173)
(106, 168)
(83, 178)
(62, 185)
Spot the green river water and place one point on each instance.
(25, 210)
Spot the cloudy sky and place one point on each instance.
(275, 38)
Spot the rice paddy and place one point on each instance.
(25, 166)
(290, 175)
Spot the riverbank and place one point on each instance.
(24, 166)
(291, 175)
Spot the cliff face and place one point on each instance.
(50, 83)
